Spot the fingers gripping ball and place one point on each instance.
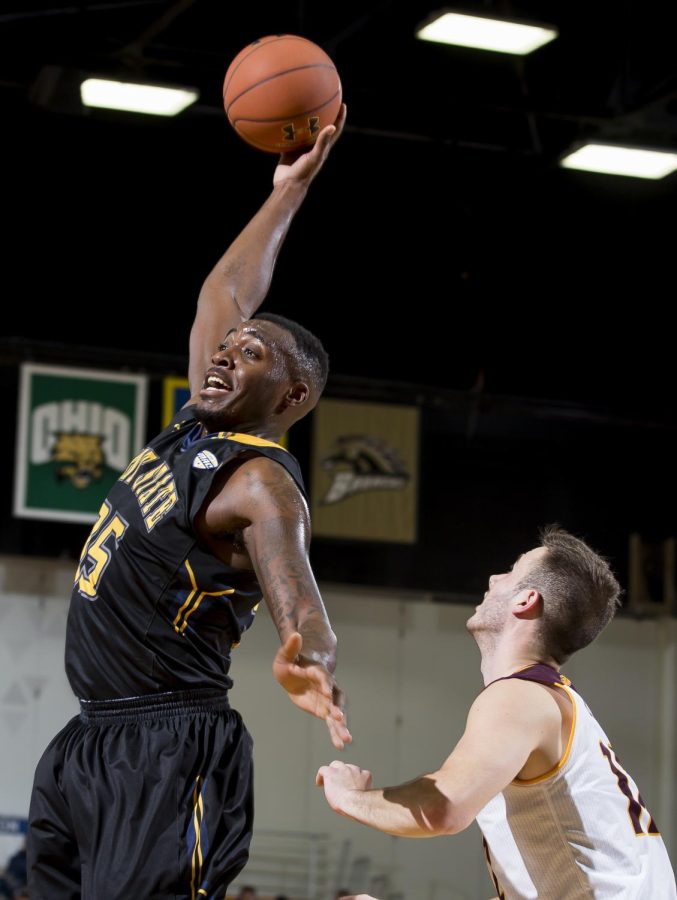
(280, 92)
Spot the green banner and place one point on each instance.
(78, 429)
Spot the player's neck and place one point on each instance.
(259, 430)
(504, 659)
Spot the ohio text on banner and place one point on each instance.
(78, 429)
(365, 471)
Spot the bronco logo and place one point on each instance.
(360, 463)
(78, 457)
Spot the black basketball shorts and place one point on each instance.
(146, 797)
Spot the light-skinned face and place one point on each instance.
(494, 610)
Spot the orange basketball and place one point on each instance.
(280, 92)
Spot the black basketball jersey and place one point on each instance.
(151, 609)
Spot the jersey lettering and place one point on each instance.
(154, 489)
(636, 808)
(105, 537)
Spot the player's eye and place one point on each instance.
(252, 354)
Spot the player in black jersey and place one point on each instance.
(147, 793)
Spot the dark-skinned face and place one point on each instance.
(248, 380)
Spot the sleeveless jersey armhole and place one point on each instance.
(527, 782)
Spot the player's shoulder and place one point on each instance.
(263, 478)
(251, 488)
(517, 696)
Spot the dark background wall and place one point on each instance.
(442, 255)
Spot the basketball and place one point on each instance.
(280, 92)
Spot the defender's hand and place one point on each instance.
(340, 778)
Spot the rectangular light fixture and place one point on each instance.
(614, 160)
(500, 35)
(141, 98)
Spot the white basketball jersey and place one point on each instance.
(579, 831)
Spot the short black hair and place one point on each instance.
(311, 359)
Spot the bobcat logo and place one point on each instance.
(79, 457)
(360, 463)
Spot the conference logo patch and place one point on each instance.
(205, 460)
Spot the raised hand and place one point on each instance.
(303, 165)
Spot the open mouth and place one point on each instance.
(214, 384)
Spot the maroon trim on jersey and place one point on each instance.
(541, 673)
(487, 854)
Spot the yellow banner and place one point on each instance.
(175, 394)
(365, 471)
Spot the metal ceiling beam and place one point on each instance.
(134, 49)
(81, 9)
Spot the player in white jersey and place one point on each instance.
(561, 818)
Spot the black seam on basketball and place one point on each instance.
(295, 116)
(279, 37)
(278, 75)
(253, 50)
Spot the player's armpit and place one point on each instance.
(261, 500)
(253, 489)
(505, 725)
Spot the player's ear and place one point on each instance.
(297, 394)
(528, 604)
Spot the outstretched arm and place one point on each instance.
(506, 723)
(261, 500)
(239, 282)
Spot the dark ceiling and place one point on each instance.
(442, 245)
